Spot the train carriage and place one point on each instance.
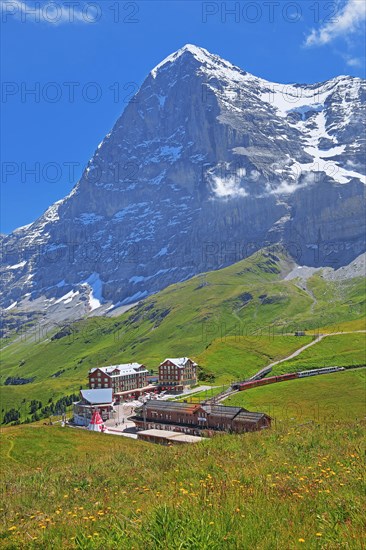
(283, 377)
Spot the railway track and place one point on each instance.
(266, 370)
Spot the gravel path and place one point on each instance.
(317, 339)
(295, 354)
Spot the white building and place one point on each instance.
(90, 401)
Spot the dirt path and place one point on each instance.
(10, 440)
(317, 339)
(320, 337)
(309, 293)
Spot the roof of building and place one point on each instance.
(222, 410)
(170, 436)
(97, 396)
(171, 406)
(92, 406)
(144, 389)
(179, 362)
(246, 416)
(186, 438)
(126, 368)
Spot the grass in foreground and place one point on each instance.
(290, 487)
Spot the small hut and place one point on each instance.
(96, 423)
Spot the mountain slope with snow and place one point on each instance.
(206, 164)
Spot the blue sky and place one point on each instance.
(104, 47)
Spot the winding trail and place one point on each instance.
(224, 395)
(10, 440)
(309, 292)
(315, 341)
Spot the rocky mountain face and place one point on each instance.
(206, 164)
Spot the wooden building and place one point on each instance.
(197, 419)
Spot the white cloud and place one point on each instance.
(284, 188)
(350, 164)
(350, 19)
(254, 175)
(354, 61)
(228, 187)
(288, 187)
(52, 12)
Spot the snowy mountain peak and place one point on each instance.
(197, 51)
(204, 154)
(201, 55)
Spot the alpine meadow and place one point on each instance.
(183, 305)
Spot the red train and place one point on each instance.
(282, 377)
(268, 380)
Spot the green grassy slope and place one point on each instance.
(325, 398)
(340, 350)
(236, 358)
(292, 488)
(247, 300)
